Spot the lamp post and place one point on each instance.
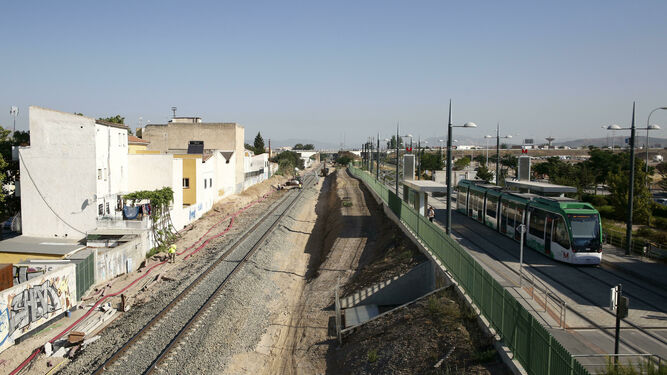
(406, 136)
(397, 138)
(631, 187)
(449, 165)
(14, 111)
(487, 137)
(498, 151)
(647, 129)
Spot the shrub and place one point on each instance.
(372, 355)
(607, 212)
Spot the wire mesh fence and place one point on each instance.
(533, 346)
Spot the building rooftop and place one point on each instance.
(37, 245)
(425, 186)
(136, 140)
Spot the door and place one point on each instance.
(547, 235)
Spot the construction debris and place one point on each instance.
(76, 337)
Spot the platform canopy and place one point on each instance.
(425, 186)
(540, 187)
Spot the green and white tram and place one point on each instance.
(562, 228)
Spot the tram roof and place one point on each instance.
(541, 187)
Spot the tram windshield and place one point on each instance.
(585, 231)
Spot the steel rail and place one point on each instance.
(180, 335)
(191, 287)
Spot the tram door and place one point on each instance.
(547, 235)
(519, 220)
(502, 225)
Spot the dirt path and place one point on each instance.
(302, 332)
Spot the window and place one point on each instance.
(205, 183)
(100, 209)
(99, 174)
(105, 174)
(511, 212)
(560, 233)
(210, 182)
(186, 183)
(537, 222)
(107, 208)
(491, 206)
(461, 197)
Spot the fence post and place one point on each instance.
(549, 355)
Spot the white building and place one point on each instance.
(72, 174)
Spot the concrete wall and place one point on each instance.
(225, 183)
(253, 165)
(396, 291)
(58, 175)
(27, 306)
(115, 261)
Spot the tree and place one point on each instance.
(115, 119)
(259, 144)
(431, 162)
(619, 189)
(483, 173)
(481, 159)
(287, 161)
(139, 132)
(298, 146)
(308, 146)
(392, 142)
(461, 163)
(344, 158)
(9, 169)
(662, 169)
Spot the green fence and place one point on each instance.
(85, 274)
(533, 346)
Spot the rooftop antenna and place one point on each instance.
(14, 111)
(173, 109)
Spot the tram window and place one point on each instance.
(491, 206)
(560, 234)
(461, 197)
(510, 215)
(519, 215)
(537, 220)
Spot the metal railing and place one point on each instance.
(533, 346)
(637, 246)
(537, 289)
(641, 363)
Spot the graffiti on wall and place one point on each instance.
(26, 306)
(32, 305)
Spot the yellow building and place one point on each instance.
(136, 145)
(190, 162)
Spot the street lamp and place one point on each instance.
(498, 151)
(647, 129)
(487, 137)
(449, 165)
(631, 187)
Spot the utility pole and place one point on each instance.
(397, 159)
(497, 153)
(621, 304)
(448, 227)
(377, 171)
(631, 192)
(173, 109)
(419, 156)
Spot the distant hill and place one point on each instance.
(617, 141)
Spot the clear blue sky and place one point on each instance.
(316, 70)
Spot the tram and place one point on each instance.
(562, 228)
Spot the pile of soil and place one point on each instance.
(414, 339)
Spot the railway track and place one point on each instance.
(152, 347)
(554, 280)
